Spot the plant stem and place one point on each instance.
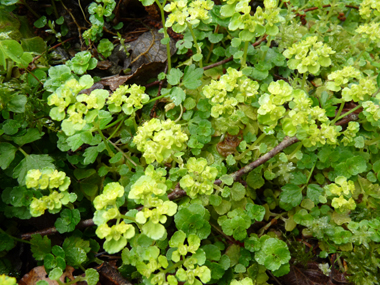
(372, 142)
(349, 112)
(299, 146)
(259, 139)
(114, 123)
(211, 46)
(14, 238)
(55, 9)
(338, 114)
(115, 131)
(110, 152)
(156, 98)
(29, 8)
(199, 51)
(123, 153)
(23, 152)
(9, 70)
(308, 178)
(244, 59)
(303, 80)
(161, 6)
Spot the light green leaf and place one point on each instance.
(174, 76)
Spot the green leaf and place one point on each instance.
(212, 252)
(378, 80)
(90, 155)
(67, 221)
(273, 254)
(356, 165)
(92, 276)
(255, 212)
(174, 76)
(41, 22)
(177, 95)
(30, 136)
(40, 246)
(192, 77)
(313, 192)
(55, 274)
(10, 49)
(237, 191)
(17, 103)
(291, 194)
(6, 242)
(32, 161)
(227, 179)
(7, 154)
(255, 180)
(215, 38)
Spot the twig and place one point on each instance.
(76, 23)
(112, 274)
(148, 49)
(288, 141)
(53, 47)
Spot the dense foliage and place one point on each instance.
(255, 151)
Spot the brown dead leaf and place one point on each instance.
(38, 273)
(228, 145)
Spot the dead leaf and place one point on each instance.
(38, 273)
(228, 145)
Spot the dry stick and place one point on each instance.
(53, 47)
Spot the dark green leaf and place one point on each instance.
(192, 77)
(32, 161)
(7, 154)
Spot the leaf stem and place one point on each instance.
(212, 45)
(123, 153)
(304, 80)
(199, 51)
(14, 238)
(114, 123)
(259, 139)
(23, 152)
(244, 59)
(338, 114)
(156, 98)
(110, 152)
(349, 112)
(161, 6)
(115, 131)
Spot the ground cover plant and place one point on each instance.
(189, 142)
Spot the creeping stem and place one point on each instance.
(199, 51)
(161, 6)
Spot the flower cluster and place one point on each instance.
(49, 178)
(370, 31)
(119, 101)
(344, 189)
(341, 77)
(105, 204)
(359, 92)
(251, 26)
(150, 190)
(372, 112)
(147, 260)
(182, 13)
(366, 8)
(350, 132)
(200, 178)
(308, 55)
(231, 88)
(301, 115)
(177, 241)
(6, 280)
(159, 140)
